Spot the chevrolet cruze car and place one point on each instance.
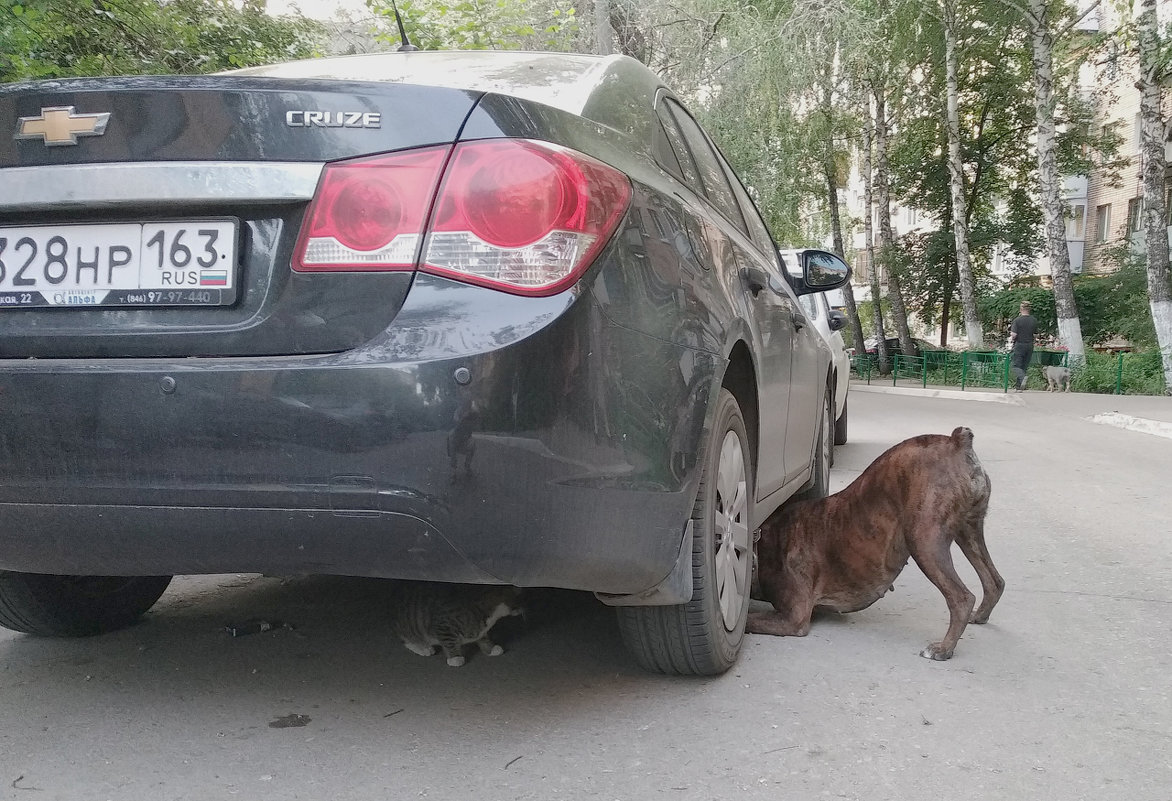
(496, 318)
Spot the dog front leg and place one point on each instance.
(790, 618)
(936, 562)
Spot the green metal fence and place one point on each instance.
(988, 369)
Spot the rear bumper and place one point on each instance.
(484, 438)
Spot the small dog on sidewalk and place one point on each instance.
(843, 552)
(1057, 378)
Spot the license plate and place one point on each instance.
(186, 263)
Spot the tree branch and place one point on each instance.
(1065, 29)
(1020, 9)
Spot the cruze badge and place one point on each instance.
(333, 119)
(59, 125)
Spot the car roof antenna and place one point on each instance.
(406, 46)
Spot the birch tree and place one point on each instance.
(830, 170)
(964, 266)
(1153, 132)
(1038, 18)
(869, 244)
(886, 235)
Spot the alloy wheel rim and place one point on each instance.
(732, 531)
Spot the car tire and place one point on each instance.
(840, 425)
(75, 606)
(819, 486)
(703, 637)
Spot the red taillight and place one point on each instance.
(506, 194)
(368, 214)
(516, 215)
(522, 216)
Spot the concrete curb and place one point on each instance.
(950, 394)
(1141, 424)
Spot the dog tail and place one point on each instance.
(962, 438)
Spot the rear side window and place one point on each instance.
(716, 184)
(758, 231)
(681, 157)
(664, 155)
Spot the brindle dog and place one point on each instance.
(843, 552)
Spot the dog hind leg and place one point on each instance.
(932, 552)
(972, 545)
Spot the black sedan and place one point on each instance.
(495, 318)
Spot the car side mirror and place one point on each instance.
(822, 270)
(836, 320)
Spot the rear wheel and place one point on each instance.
(75, 606)
(704, 636)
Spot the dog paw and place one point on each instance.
(772, 623)
(936, 652)
(455, 661)
(496, 650)
(980, 620)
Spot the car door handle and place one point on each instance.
(799, 321)
(755, 279)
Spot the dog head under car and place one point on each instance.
(843, 552)
(1057, 378)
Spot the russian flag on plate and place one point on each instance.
(213, 278)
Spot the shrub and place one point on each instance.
(1142, 373)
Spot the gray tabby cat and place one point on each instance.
(429, 614)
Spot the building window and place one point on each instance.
(1076, 221)
(1135, 212)
(1103, 223)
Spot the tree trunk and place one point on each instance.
(1151, 76)
(886, 236)
(603, 34)
(831, 170)
(1050, 182)
(960, 229)
(869, 240)
(946, 305)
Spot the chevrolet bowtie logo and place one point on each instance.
(60, 126)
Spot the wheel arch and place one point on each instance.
(740, 378)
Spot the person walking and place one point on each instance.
(1021, 341)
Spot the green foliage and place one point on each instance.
(866, 310)
(70, 38)
(1139, 373)
(997, 120)
(482, 24)
(999, 308)
(1116, 304)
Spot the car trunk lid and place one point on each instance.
(200, 185)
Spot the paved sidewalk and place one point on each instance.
(1152, 414)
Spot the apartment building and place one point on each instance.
(1103, 211)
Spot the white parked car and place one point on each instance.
(823, 310)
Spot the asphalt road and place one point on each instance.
(1064, 695)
